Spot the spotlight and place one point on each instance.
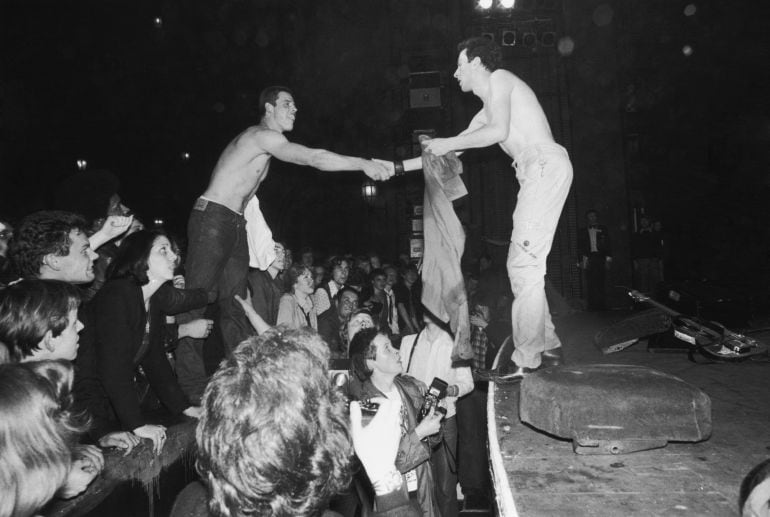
(690, 9)
(185, 156)
(82, 164)
(507, 4)
(687, 50)
(369, 191)
(509, 38)
(485, 4)
(158, 22)
(158, 222)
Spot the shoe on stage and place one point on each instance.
(508, 373)
(552, 357)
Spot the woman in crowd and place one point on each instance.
(128, 316)
(37, 431)
(296, 309)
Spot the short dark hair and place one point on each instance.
(756, 476)
(43, 233)
(591, 211)
(270, 95)
(29, 309)
(483, 48)
(345, 289)
(376, 272)
(132, 255)
(362, 347)
(273, 438)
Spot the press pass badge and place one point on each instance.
(411, 480)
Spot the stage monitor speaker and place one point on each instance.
(529, 39)
(548, 38)
(509, 38)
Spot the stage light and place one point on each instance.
(158, 222)
(687, 50)
(158, 22)
(566, 46)
(507, 4)
(82, 164)
(509, 38)
(547, 39)
(485, 4)
(185, 156)
(369, 191)
(690, 9)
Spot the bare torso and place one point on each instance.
(528, 123)
(240, 170)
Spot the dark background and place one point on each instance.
(684, 137)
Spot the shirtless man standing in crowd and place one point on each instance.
(513, 118)
(217, 255)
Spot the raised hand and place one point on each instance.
(154, 433)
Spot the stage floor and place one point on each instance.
(544, 477)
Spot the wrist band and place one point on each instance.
(399, 167)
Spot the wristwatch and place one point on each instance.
(387, 483)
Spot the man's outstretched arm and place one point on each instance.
(491, 124)
(279, 146)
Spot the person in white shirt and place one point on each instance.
(425, 356)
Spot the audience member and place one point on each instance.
(273, 438)
(408, 300)
(427, 356)
(377, 302)
(37, 431)
(128, 313)
(376, 373)
(325, 292)
(267, 288)
(754, 497)
(331, 323)
(391, 307)
(296, 307)
(6, 233)
(358, 320)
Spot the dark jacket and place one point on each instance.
(603, 243)
(119, 319)
(412, 452)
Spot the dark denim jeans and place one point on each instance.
(217, 259)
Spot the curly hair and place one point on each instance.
(273, 438)
(292, 274)
(483, 48)
(40, 234)
(32, 307)
(37, 430)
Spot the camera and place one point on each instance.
(435, 393)
(368, 410)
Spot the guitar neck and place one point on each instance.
(639, 297)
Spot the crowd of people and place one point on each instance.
(99, 367)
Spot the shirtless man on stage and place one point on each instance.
(217, 255)
(513, 118)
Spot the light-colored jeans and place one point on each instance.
(545, 175)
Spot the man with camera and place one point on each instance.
(376, 372)
(427, 356)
